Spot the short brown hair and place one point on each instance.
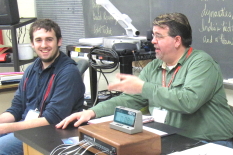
(178, 26)
(46, 24)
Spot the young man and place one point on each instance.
(50, 90)
(183, 85)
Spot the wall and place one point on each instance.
(26, 9)
(211, 23)
(229, 96)
(68, 14)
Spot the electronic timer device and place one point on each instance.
(106, 141)
(127, 120)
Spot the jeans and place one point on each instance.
(10, 145)
(226, 143)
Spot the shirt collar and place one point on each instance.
(181, 60)
(38, 65)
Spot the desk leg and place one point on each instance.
(93, 84)
(126, 64)
(28, 150)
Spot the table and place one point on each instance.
(42, 140)
(8, 87)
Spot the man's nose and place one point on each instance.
(43, 43)
(154, 41)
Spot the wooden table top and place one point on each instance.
(8, 87)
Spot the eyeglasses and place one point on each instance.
(158, 36)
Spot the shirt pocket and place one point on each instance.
(177, 83)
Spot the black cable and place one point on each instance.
(101, 54)
(107, 54)
(101, 72)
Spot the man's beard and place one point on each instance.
(52, 58)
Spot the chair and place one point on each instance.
(82, 65)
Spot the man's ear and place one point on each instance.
(178, 41)
(59, 42)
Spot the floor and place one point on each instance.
(6, 98)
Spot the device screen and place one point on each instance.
(124, 117)
(3, 11)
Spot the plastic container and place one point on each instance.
(25, 52)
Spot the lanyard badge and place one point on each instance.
(32, 114)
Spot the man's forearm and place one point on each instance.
(15, 126)
(6, 117)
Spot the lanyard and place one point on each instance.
(47, 93)
(175, 72)
(51, 80)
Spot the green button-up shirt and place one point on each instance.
(196, 101)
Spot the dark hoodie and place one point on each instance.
(65, 96)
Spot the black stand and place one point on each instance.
(125, 67)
